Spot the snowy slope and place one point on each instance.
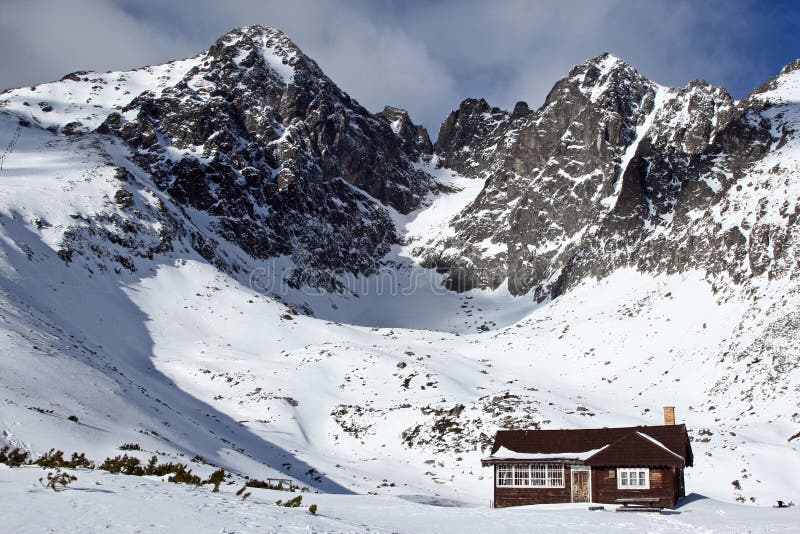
(85, 99)
(187, 360)
(395, 387)
(123, 504)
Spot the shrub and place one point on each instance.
(266, 484)
(216, 478)
(55, 459)
(180, 473)
(159, 470)
(58, 478)
(313, 509)
(50, 459)
(261, 484)
(183, 476)
(80, 460)
(130, 465)
(242, 494)
(73, 418)
(295, 502)
(127, 465)
(130, 447)
(14, 457)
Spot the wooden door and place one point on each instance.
(580, 486)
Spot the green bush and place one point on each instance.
(265, 484)
(313, 509)
(159, 470)
(261, 484)
(14, 457)
(216, 478)
(127, 465)
(295, 502)
(58, 479)
(54, 459)
(80, 460)
(130, 465)
(51, 459)
(184, 476)
(130, 447)
(242, 494)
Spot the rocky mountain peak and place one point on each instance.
(613, 170)
(792, 66)
(549, 173)
(783, 88)
(264, 36)
(467, 134)
(258, 46)
(416, 139)
(605, 81)
(276, 157)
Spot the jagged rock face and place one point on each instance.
(283, 162)
(251, 144)
(466, 138)
(614, 171)
(567, 148)
(415, 138)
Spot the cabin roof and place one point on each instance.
(666, 445)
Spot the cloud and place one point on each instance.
(422, 55)
(42, 40)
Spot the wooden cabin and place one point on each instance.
(601, 465)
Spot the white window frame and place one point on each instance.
(628, 471)
(525, 472)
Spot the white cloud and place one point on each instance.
(41, 40)
(422, 55)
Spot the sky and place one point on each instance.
(424, 56)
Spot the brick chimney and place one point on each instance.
(669, 415)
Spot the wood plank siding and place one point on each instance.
(666, 484)
(505, 496)
(663, 485)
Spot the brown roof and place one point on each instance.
(668, 446)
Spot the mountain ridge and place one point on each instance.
(276, 183)
(526, 166)
(624, 247)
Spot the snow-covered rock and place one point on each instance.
(250, 143)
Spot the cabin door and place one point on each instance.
(580, 485)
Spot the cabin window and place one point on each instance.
(633, 478)
(505, 475)
(530, 475)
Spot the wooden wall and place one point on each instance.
(663, 484)
(504, 496)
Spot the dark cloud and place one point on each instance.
(424, 56)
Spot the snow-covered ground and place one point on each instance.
(405, 295)
(118, 503)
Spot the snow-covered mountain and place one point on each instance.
(614, 170)
(248, 143)
(624, 247)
